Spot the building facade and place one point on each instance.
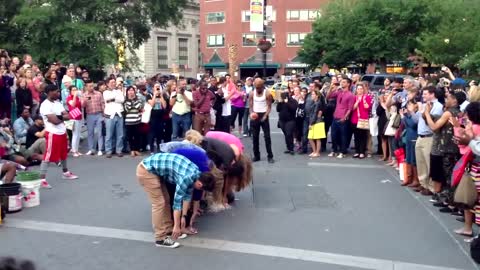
(175, 49)
(224, 23)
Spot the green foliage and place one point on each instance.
(380, 31)
(85, 32)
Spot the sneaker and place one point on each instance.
(245, 135)
(76, 154)
(340, 155)
(167, 242)
(271, 160)
(45, 184)
(332, 154)
(69, 176)
(91, 153)
(182, 236)
(99, 153)
(435, 198)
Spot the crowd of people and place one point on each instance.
(192, 130)
(419, 124)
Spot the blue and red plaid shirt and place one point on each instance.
(175, 169)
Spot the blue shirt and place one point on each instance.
(177, 170)
(169, 147)
(437, 110)
(20, 127)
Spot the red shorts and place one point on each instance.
(56, 147)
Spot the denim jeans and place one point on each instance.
(246, 118)
(114, 127)
(306, 125)
(340, 134)
(181, 122)
(94, 128)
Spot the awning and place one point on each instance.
(296, 65)
(215, 62)
(215, 65)
(259, 65)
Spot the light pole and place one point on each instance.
(264, 38)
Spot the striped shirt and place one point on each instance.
(132, 111)
(175, 169)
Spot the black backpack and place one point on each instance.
(475, 249)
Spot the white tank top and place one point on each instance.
(259, 103)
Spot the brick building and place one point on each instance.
(227, 22)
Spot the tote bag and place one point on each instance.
(147, 112)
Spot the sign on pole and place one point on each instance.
(256, 15)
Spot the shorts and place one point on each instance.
(437, 172)
(56, 147)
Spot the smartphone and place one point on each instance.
(444, 68)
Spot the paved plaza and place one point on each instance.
(299, 214)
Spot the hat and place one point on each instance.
(66, 79)
(458, 81)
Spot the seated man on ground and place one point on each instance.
(35, 143)
(21, 126)
(7, 143)
(153, 173)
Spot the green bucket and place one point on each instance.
(28, 176)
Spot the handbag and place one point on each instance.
(460, 166)
(362, 123)
(466, 192)
(396, 121)
(147, 112)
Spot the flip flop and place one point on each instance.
(462, 233)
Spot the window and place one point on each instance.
(183, 52)
(162, 52)
(293, 15)
(215, 40)
(251, 40)
(295, 38)
(215, 17)
(246, 15)
(302, 15)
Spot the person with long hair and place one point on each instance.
(74, 103)
(445, 152)
(361, 108)
(23, 96)
(159, 115)
(132, 106)
(316, 130)
(238, 106)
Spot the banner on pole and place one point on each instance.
(256, 15)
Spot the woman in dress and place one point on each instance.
(361, 108)
(316, 129)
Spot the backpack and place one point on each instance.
(475, 249)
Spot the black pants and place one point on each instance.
(288, 129)
(237, 112)
(133, 136)
(222, 123)
(361, 137)
(255, 126)
(155, 134)
(328, 124)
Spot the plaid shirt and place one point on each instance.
(177, 170)
(95, 104)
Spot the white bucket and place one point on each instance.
(31, 193)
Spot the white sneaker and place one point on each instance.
(76, 155)
(340, 155)
(100, 153)
(45, 184)
(332, 154)
(90, 153)
(69, 176)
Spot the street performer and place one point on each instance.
(154, 173)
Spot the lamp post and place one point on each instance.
(265, 38)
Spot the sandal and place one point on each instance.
(463, 233)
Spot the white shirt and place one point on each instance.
(227, 106)
(48, 107)
(115, 107)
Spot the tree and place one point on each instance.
(367, 31)
(85, 32)
(455, 37)
(9, 34)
